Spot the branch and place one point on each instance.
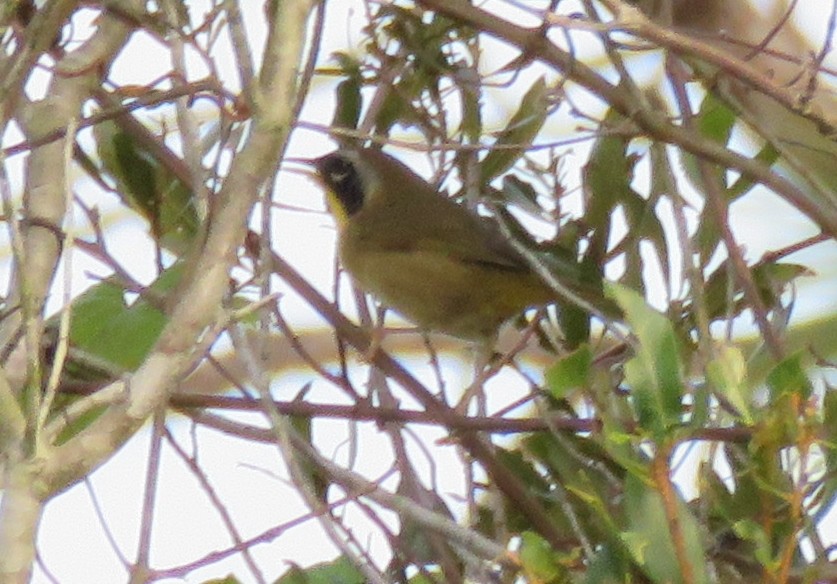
(207, 283)
(356, 485)
(40, 238)
(818, 205)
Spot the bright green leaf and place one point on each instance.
(654, 373)
(650, 539)
(339, 571)
(570, 372)
(230, 579)
(728, 373)
(751, 531)
(538, 559)
(106, 328)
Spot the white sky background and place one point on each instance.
(72, 543)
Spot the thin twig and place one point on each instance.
(141, 566)
(196, 470)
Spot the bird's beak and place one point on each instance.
(308, 165)
(302, 161)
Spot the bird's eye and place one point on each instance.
(339, 175)
(337, 170)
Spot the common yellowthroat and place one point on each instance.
(430, 259)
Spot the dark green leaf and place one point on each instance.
(349, 100)
(521, 194)
(714, 121)
(723, 297)
(607, 176)
(586, 473)
(608, 566)
(524, 125)
(644, 226)
(607, 185)
(314, 477)
(146, 185)
(789, 378)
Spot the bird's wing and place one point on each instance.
(459, 234)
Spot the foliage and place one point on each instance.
(663, 444)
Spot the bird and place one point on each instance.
(432, 260)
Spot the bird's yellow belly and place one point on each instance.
(466, 300)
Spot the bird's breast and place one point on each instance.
(439, 292)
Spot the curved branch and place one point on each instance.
(208, 279)
(819, 206)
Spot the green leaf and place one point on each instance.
(608, 566)
(338, 571)
(644, 226)
(415, 544)
(349, 100)
(742, 185)
(708, 236)
(650, 540)
(108, 337)
(148, 187)
(655, 371)
(789, 378)
(714, 121)
(471, 124)
(524, 125)
(747, 497)
(520, 193)
(105, 327)
(396, 108)
(829, 446)
(751, 531)
(230, 579)
(728, 374)
(807, 146)
(587, 473)
(424, 38)
(539, 561)
(607, 185)
(523, 469)
(723, 297)
(313, 475)
(607, 175)
(570, 372)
